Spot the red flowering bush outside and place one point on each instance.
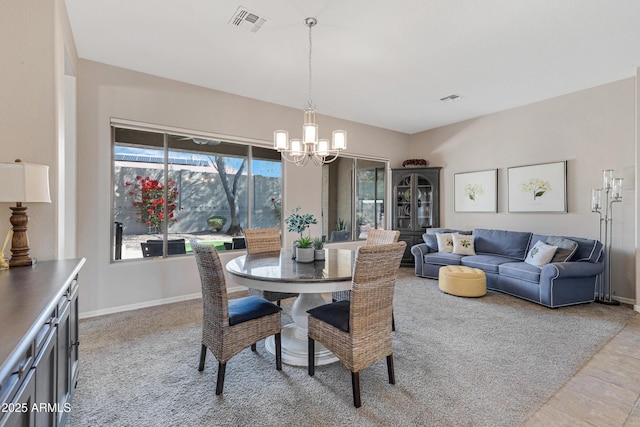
(148, 198)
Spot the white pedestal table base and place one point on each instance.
(295, 341)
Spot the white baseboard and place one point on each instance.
(628, 301)
(146, 304)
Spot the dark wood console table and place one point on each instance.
(38, 342)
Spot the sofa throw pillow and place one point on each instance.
(566, 248)
(463, 245)
(432, 241)
(540, 254)
(445, 242)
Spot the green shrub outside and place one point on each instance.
(216, 222)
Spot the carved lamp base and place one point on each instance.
(19, 241)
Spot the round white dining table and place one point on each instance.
(281, 273)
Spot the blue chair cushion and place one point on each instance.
(249, 308)
(336, 314)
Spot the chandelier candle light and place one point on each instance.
(612, 188)
(299, 151)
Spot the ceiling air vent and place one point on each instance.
(453, 97)
(247, 19)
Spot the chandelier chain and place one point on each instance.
(310, 101)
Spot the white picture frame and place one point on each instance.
(538, 188)
(476, 191)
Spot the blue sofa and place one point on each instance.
(501, 254)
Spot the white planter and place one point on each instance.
(305, 254)
(319, 255)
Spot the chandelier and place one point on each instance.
(300, 151)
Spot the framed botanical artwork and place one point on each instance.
(476, 191)
(538, 188)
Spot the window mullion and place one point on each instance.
(165, 196)
(250, 195)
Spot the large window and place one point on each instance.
(353, 194)
(170, 189)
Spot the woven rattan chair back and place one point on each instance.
(214, 287)
(225, 340)
(378, 236)
(374, 278)
(262, 240)
(369, 336)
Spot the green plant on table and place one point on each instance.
(298, 223)
(305, 242)
(317, 243)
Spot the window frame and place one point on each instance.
(385, 163)
(166, 131)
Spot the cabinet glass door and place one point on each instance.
(424, 198)
(403, 194)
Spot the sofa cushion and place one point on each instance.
(520, 270)
(566, 248)
(442, 258)
(540, 254)
(512, 244)
(463, 245)
(431, 240)
(487, 263)
(445, 242)
(445, 230)
(588, 249)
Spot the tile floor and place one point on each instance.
(605, 392)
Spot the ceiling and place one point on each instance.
(382, 63)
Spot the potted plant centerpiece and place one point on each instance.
(298, 223)
(318, 245)
(305, 251)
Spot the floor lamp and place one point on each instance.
(612, 189)
(22, 183)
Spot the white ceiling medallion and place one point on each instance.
(247, 19)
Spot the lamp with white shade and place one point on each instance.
(22, 183)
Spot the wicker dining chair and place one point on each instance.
(262, 241)
(376, 236)
(229, 326)
(358, 331)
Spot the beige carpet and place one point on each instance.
(490, 361)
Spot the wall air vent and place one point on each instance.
(247, 19)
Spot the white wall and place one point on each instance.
(33, 37)
(637, 193)
(105, 92)
(592, 129)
